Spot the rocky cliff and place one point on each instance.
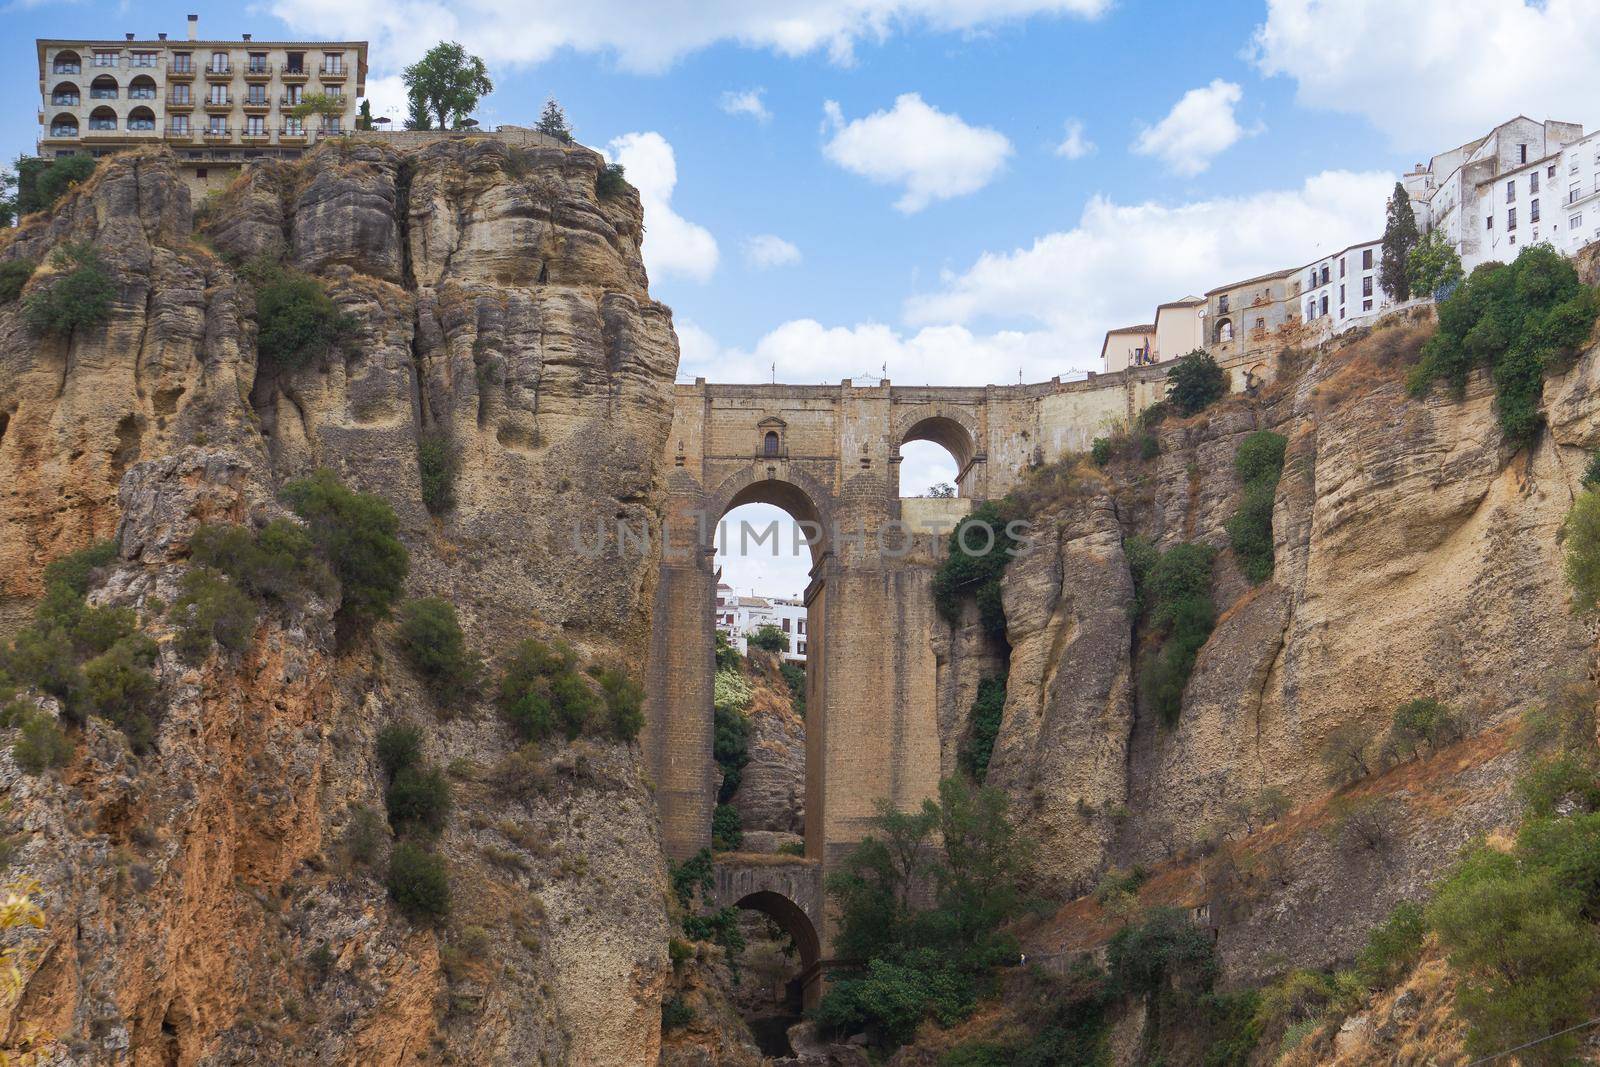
(1416, 556)
(203, 902)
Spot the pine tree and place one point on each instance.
(364, 116)
(1399, 238)
(554, 122)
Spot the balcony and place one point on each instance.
(256, 105)
(289, 136)
(65, 101)
(67, 68)
(258, 72)
(218, 107)
(292, 75)
(179, 133)
(219, 74)
(180, 72)
(217, 133)
(255, 136)
(63, 133)
(176, 104)
(333, 74)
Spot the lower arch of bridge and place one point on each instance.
(792, 920)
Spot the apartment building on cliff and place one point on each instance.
(216, 104)
(738, 616)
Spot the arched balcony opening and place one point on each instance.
(67, 63)
(103, 88)
(142, 88)
(66, 95)
(141, 118)
(64, 126)
(102, 118)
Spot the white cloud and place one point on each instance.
(1074, 145)
(746, 102)
(672, 244)
(765, 251)
(1433, 75)
(647, 37)
(1199, 127)
(1043, 310)
(388, 96)
(935, 156)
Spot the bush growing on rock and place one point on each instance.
(297, 322)
(624, 699)
(541, 693)
(727, 834)
(675, 1014)
(357, 534)
(769, 638)
(399, 746)
(118, 686)
(1345, 754)
(1516, 320)
(434, 644)
(1258, 463)
(438, 464)
(975, 562)
(41, 182)
(1177, 590)
(1582, 553)
(1423, 723)
(610, 181)
(983, 726)
(730, 745)
(417, 882)
(76, 296)
(1195, 382)
(209, 609)
(14, 275)
(418, 797)
(41, 745)
(277, 562)
(1164, 958)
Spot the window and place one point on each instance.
(1533, 183)
(295, 63)
(105, 59)
(1550, 171)
(802, 625)
(1366, 259)
(292, 95)
(1511, 218)
(335, 92)
(1533, 211)
(218, 125)
(1574, 191)
(179, 124)
(785, 625)
(333, 62)
(769, 445)
(1511, 191)
(1311, 309)
(143, 59)
(1324, 305)
(1325, 272)
(293, 127)
(1366, 305)
(143, 88)
(64, 126)
(67, 63)
(1312, 284)
(258, 63)
(1575, 222)
(183, 62)
(1489, 222)
(199, 172)
(219, 62)
(1343, 264)
(141, 118)
(217, 94)
(330, 124)
(257, 96)
(1222, 303)
(180, 94)
(65, 95)
(1261, 324)
(1224, 331)
(1341, 295)
(802, 649)
(103, 118)
(1522, 153)
(255, 126)
(1366, 286)
(103, 88)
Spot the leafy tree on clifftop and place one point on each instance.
(447, 83)
(553, 121)
(1399, 238)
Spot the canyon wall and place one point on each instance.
(203, 903)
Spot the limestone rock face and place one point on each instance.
(1415, 556)
(203, 900)
(772, 791)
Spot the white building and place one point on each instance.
(739, 616)
(1342, 290)
(1178, 330)
(1522, 183)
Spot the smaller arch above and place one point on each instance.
(141, 118)
(791, 919)
(142, 88)
(103, 88)
(65, 94)
(947, 433)
(67, 62)
(1224, 330)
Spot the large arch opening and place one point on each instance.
(780, 964)
(936, 456)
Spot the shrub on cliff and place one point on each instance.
(1177, 593)
(417, 882)
(983, 726)
(77, 295)
(768, 638)
(1582, 554)
(418, 797)
(727, 833)
(975, 560)
(438, 464)
(1163, 958)
(118, 686)
(41, 182)
(279, 561)
(211, 608)
(727, 654)
(1420, 724)
(1195, 382)
(730, 746)
(1516, 320)
(297, 321)
(1258, 463)
(399, 746)
(541, 694)
(41, 744)
(356, 534)
(434, 644)
(624, 699)
(14, 275)
(610, 181)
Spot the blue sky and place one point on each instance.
(900, 197)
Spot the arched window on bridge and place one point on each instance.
(934, 456)
(769, 446)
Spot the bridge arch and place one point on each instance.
(948, 426)
(788, 890)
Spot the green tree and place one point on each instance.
(975, 561)
(446, 83)
(769, 638)
(1258, 463)
(41, 182)
(14, 275)
(418, 883)
(1195, 382)
(78, 294)
(356, 533)
(364, 116)
(319, 104)
(1434, 264)
(297, 321)
(1399, 238)
(436, 646)
(1582, 553)
(983, 726)
(1177, 590)
(553, 122)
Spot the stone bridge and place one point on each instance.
(830, 457)
(788, 890)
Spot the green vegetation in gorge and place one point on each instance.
(1173, 590)
(297, 321)
(925, 960)
(769, 638)
(1195, 382)
(357, 535)
(974, 563)
(436, 647)
(77, 294)
(541, 693)
(14, 275)
(983, 726)
(438, 464)
(418, 883)
(1258, 463)
(1517, 320)
(41, 182)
